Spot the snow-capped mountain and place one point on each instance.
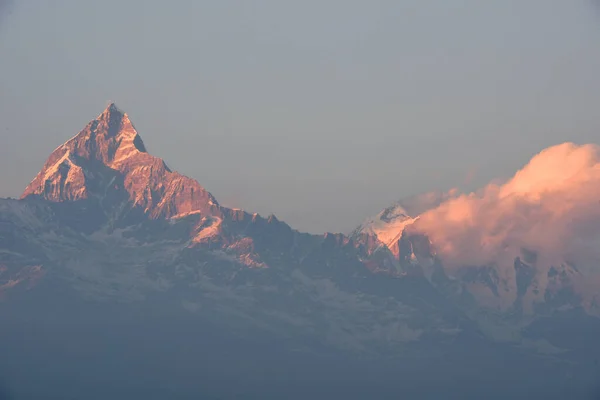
(522, 282)
(389, 224)
(110, 221)
(107, 159)
(107, 232)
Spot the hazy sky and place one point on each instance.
(322, 112)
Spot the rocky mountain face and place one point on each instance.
(107, 160)
(106, 234)
(109, 220)
(527, 286)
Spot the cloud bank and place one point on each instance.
(550, 207)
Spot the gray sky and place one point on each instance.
(322, 112)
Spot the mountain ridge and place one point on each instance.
(107, 163)
(106, 226)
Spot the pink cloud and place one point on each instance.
(551, 207)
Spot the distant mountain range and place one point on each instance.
(108, 248)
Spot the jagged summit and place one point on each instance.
(109, 155)
(389, 224)
(112, 108)
(118, 122)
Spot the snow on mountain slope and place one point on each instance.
(528, 246)
(524, 282)
(312, 287)
(389, 224)
(108, 156)
(108, 222)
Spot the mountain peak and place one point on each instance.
(112, 113)
(390, 223)
(107, 151)
(112, 108)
